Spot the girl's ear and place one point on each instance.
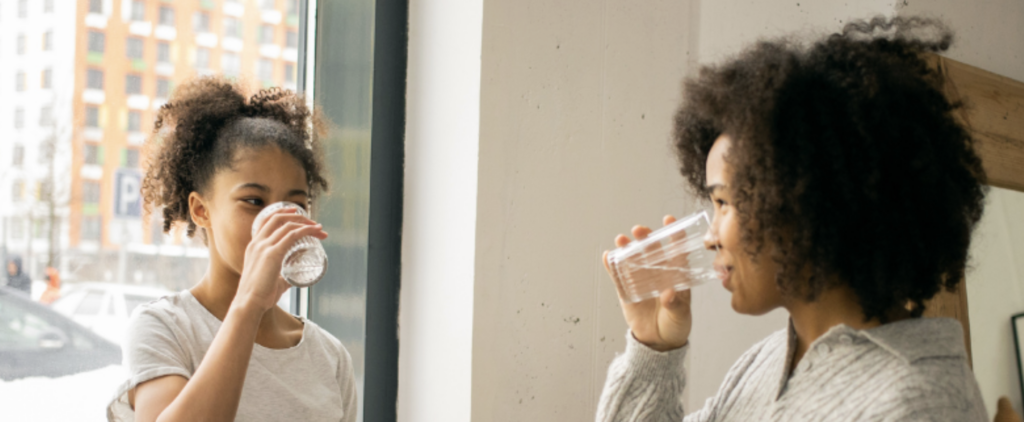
(198, 210)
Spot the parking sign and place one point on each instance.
(128, 193)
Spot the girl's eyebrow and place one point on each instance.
(265, 189)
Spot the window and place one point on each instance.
(92, 154)
(268, 4)
(166, 16)
(48, 41)
(134, 121)
(17, 227)
(133, 84)
(20, 44)
(232, 28)
(95, 6)
(46, 116)
(19, 155)
(17, 191)
(94, 79)
(163, 88)
(92, 116)
(163, 52)
(292, 40)
(131, 158)
(231, 64)
(289, 73)
(134, 48)
(293, 7)
(97, 42)
(19, 81)
(201, 22)
(46, 79)
(45, 151)
(22, 9)
(19, 118)
(266, 34)
(92, 229)
(91, 192)
(202, 58)
(48, 6)
(265, 71)
(138, 10)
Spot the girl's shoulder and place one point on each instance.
(317, 336)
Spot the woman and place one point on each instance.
(844, 192)
(223, 350)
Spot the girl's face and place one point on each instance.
(258, 177)
(751, 282)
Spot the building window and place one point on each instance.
(202, 58)
(94, 79)
(19, 118)
(92, 228)
(266, 34)
(265, 70)
(20, 44)
(231, 64)
(46, 80)
(293, 7)
(48, 6)
(95, 6)
(134, 121)
(134, 48)
(232, 28)
(90, 192)
(46, 151)
(292, 41)
(46, 116)
(19, 81)
(163, 87)
(22, 9)
(92, 116)
(268, 4)
(97, 42)
(19, 155)
(48, 41)
(17, 188)
(131, 158)
(163, 52)
(133, 84)
(201, 22)
(289, 73)
(92, 154)
(138, 10)
(166, 16)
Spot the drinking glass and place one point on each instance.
(305, 263)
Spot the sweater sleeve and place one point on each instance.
(644, 385)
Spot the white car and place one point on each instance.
(105, 308)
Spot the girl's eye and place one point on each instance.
(254, 201)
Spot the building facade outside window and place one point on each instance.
(138, 10)
(133, 84)
(23, 9)
(231, 64)
(46, 116)
(265, 70)
(19, 155)
(133, 47)
(97, 42)
(92, 116)
(266, 35)
(166, 16)
(163, 52)
(20, 44)
(232, 28)
(19, 118)
(134, 121)
(202, 59)
(163, 87)
(19, 81)
(92, 228)
(201, 22)
(48, 41)
(95, 6)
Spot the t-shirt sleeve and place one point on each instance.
(347, 382)
(151, 350)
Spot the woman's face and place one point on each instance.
(258, 177)
(752, 284)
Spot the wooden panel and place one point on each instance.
(994, 112)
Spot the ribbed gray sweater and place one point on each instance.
(911, 370)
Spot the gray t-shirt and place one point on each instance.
(911, 370)
(312, 381)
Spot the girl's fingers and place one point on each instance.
(293, 236)
(279, 218)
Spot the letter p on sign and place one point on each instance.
(128, 194)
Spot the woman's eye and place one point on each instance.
(721, 203)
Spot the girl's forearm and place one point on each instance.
(214, 391)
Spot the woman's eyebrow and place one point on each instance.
(710, 189)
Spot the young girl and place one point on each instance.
(844, 192)
(222, 350)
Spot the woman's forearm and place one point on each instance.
(214, 391)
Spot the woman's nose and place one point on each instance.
(711, 239)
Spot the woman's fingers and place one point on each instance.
(618, 283)
(621, 240)
(640, 232)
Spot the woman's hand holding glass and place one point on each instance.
(261, 284)
(664, 323)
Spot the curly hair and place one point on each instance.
(846, 158)
(200, 129)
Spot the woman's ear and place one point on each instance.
(198, 210)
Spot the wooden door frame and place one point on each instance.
(994, 113)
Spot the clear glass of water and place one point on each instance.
(305, 263)
(672, 257)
